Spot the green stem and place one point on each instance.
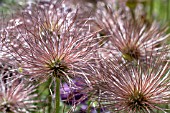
(98, 110)
(57, 96)
(49, 97)
(49, 104)
(89, 104)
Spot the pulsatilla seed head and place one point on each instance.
(130, 53)
(131, 39)
(48, 38)
(136, 100)
(58, 67)
(131, 88)
(16, 96)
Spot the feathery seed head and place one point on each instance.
(15, 95)
(50, 39)
(131, 39)
(132, 88)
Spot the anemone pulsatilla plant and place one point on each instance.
(131, 39)
(16, 96)
(50, 40)
(133, 89)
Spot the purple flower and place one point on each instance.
(73, 95)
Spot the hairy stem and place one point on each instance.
(49, 97)
(57, 95)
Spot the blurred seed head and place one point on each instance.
(131, 39)
(16, 96)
